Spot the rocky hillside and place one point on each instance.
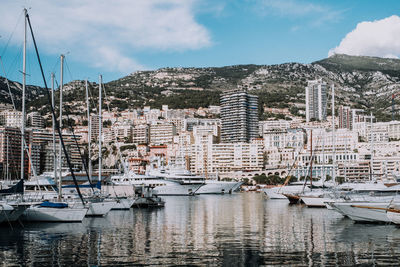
(362, 82)
(32, 92)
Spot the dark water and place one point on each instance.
(231, 230)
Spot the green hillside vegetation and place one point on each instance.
(350, 63)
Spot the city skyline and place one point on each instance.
(123, 38)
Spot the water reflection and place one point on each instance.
(230, 230)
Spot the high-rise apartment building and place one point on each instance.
(316, 100)
(239, 116)
(348, 117)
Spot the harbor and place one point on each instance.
(241, 229)
(194, 133)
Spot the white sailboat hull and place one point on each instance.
(216, 187)
(363, 212)
(123, 204)
(43, 214)
(100, 208)
(394, 217)
(315, 202)
(274, 193)
(177, 189)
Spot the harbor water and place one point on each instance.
(242, 229)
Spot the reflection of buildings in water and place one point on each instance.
(241, 229)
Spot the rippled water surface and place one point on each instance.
(242, 229)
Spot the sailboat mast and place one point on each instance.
(8, 176)
(89, 131)
(100, 127)
(60, 119)
(54, 132)
(23, 98)
(311, 162)
(372, 149)
(333, 136)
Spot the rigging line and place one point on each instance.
(8, 85)
(17, 58)
(52, 110)
(69, 71)
(79, 148)
(91, 97)
(105, 96)
(24, 141)
(53, 70)
(11, 35)
(67, 109)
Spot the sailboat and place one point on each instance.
(47, 211)
(319, 197)
(97, 204)
(56, 210)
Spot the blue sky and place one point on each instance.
(115, 38)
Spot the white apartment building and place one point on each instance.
(381, 131)
(394, 130)
(179, 124)
(11, 118)
(34, 119)
(283, 138)
(323, 140)
(151, 115)
(140, 134)
(201, 130)
(280, 157)
(226, 158)
(128, 115)
(189, 123)
(266, 126)
(162, 133)
(122, 131)
(316, 100)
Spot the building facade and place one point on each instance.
(316, 100)
(239, 116)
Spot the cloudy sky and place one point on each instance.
(118, 37)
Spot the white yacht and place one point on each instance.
(164, 183)
(218, 187)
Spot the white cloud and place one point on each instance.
(106, 33)
(380, 38)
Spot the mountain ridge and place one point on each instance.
(361, 82)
